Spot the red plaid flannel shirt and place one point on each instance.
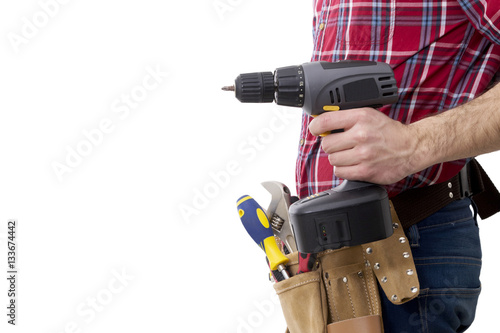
(443, 53)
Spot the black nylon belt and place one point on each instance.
(416, 204)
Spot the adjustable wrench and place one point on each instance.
(278, 213)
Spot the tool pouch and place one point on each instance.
(303, 301)
(341, 294)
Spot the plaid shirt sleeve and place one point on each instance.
(485, 16)
(443, 53)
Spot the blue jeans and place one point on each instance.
(447, 254)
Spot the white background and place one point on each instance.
(184, 146)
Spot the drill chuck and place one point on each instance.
(255, 87)
(285, 86)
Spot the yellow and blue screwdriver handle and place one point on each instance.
(257, 224)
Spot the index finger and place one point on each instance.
(332, 121)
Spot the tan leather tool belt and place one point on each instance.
(341, 294)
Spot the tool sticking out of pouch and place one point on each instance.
(280, 221)
(257, 224)
(281, 200)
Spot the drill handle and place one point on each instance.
(349, 185)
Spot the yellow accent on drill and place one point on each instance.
(331, 108)
(241, 212)
(262, 218)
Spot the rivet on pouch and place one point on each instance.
(360, 274)
(344, 279)
(384, 279)
(406, 255)
(369, 250)
(394, 297)
(395, 226)
(376, 266)
(409, 272)
(402, 240)
(414, 289)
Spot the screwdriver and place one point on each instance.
(257, 224)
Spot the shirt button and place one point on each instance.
(301, 141)
(321, 26)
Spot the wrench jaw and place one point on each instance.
(278, 213)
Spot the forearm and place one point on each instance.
(469, 130)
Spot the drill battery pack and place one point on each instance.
(353, 213)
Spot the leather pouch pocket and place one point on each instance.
(303, 301)
(351, 292)
(367, 324)
(393, 265)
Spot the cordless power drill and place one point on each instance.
(356, 212)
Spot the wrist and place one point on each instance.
(424, 148)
